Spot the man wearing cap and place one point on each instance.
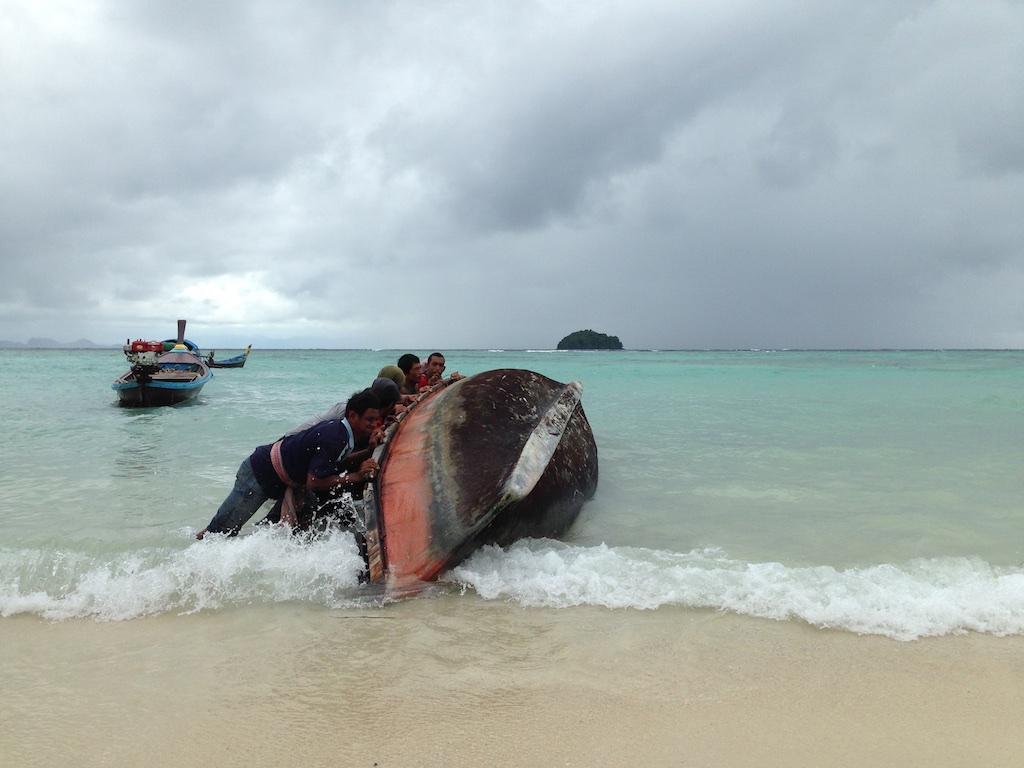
(386, 391)
(394, 373)
(307, 461)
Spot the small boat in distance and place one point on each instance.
(499, 456)
(161, 373)
(230, 362)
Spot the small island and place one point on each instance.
(589, 340)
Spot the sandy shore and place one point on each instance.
(456, 681)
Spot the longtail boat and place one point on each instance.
(502, 455)
(161, 373)
(229, 362)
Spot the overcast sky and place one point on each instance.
(448, 175)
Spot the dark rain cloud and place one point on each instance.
(457, 174)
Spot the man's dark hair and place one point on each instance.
(432, 355)
(361, 401)
(407, 361)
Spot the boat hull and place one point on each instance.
(132, 394)
(496, 457)
(238, 361)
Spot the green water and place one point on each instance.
(808, 460)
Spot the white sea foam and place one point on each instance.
(268, 565)
(921, 598)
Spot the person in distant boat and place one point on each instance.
(413, 369)
(309, 461)
(209, 357)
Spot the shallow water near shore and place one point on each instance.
(871, 492)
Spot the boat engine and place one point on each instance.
(142, 355)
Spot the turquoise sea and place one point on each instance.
(873, 492)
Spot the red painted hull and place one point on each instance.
(495, 457)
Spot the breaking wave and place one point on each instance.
(920, 598)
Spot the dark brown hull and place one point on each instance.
(500, 456)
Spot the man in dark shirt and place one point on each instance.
(307, 461)
(413, 369)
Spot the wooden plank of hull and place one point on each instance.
(499, 456)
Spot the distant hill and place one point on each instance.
(51, 344)
(589, 339)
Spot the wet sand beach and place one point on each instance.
(453, 680)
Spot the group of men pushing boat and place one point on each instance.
(320, 455)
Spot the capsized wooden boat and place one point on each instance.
(161, 373)
(229, 362)
(488, 459)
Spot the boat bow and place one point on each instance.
(540, 447)
(489, 459)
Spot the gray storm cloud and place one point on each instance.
(460, 175)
